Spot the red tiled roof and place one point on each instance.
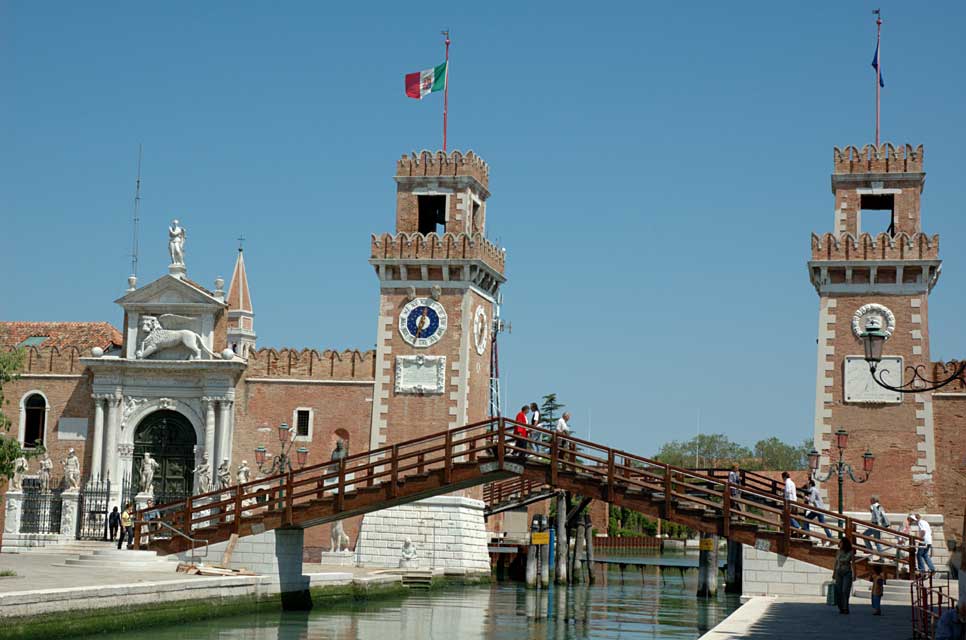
(83, 335)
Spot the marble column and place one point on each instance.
(224, 429)
(98, 444)
(210, 438)
(110, 467)
(70, 500)
(14, 510)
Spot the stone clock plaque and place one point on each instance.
(420, 374)
(861, 388)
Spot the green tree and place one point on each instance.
(550, 410)
(703, 451)
(10, 449)
(773, 454)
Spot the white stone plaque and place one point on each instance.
(861, 388)
(420, 374)
(72, 429)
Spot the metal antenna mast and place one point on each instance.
(137, 219)
(498, 327)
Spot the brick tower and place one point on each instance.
(888, 274)
(438, 280)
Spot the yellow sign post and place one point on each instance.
(706, 544)
(540, 537)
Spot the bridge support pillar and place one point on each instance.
(734, 567)
(708, 566)
(563, 548)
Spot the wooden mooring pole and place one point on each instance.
(708, 565)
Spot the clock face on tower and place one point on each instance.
(481, 330)
(422, 322)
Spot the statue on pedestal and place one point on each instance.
(224, 474)
(148, 467)
(341, 450)
(203, 471)
(46, 466)
(338, 540)
(408, 558)
(176, 238)
(71, 470)
(19, 469)
(244, 474)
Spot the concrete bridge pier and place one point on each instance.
(275, 554)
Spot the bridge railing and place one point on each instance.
(620, 472)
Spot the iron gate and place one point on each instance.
(41, 509)
(93, 510)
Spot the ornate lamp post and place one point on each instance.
(873, 338)
(841, 468)
(282, 463)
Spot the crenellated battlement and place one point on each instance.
(917, 246)
(449, 246)
(886, 158)
(61, 360)
(310, 364)
(439, 163)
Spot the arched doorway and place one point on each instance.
(170, 439)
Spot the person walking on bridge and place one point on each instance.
(734, 479)
(879, 519)
(924, 551)
(791, 496)
(815, 501)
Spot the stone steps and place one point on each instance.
(122, 559)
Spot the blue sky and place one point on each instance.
(656, 171)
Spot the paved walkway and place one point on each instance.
(795, 618)
(40, 571)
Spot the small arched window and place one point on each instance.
(35, 420)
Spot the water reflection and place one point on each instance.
(639, 606)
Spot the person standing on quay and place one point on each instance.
(952, 624)
(127, 527)
(113, 522)
(843, 575)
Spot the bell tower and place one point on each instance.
(877, 264)
(438, 281)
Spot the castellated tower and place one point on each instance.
(438, 282)
(887, 273)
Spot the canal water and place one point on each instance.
(634, 605)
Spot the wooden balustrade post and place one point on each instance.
(238, 508)
(187, 515)
(340, 496)
(448, 458)
(288, 498)
(420, 459)
(473, 449)
(726, 509)
(501, 443)
(137, 535)
(394, 475)
(786, 527)
(668, 486)
(610, 474)
(554, 455)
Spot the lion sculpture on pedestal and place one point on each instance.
(157, 337)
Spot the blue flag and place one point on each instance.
(875, 65)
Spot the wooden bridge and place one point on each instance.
(487, 452)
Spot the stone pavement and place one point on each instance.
(40, 571)
(804, 617)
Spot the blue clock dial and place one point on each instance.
(422, 322)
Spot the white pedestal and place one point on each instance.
(448, 531)
(344, 558)
(141, 500)
(13, 508)
(69, 503)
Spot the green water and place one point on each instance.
(637, 607)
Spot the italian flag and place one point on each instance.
(429, 81)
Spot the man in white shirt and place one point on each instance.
(791, 495)
(562, 427)
(923, 558)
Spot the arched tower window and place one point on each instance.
(35, 420)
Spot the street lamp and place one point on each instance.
(873, 338)
(282, 463)
(841, 468)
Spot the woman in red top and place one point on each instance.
(521, 432)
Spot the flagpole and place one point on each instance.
(878, 72)
(446, 91)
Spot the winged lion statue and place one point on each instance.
(166, 331)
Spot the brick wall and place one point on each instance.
(950, 423)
